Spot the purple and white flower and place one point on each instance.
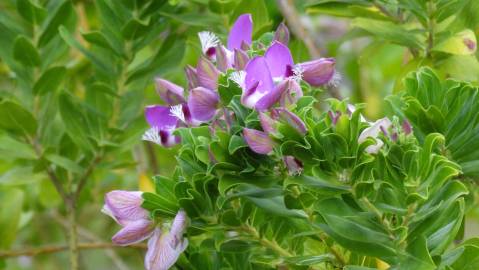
(125, 208)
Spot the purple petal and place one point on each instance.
(279, 60)
(282, 34)
(240, 59)
(207, 74)
(178, 227)
(133, 232)
(293, 165)
(291, 119)
(257, 71)
(160, 117)
(250, 96)
(192, 77)
(318, 72)
(242, 31)
(203, 103)
(223, 58)
(406, 127)
(267, 123)
(272, 97)
(125, 206)
(160, 255)
(171, 93)
(291, 95)
(163, 137)
(245, 46)
(374, 130)
(258, 141)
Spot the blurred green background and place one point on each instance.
(75, 76)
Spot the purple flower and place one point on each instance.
(258, 141)
(259, 90)
(290, 119)
(203, 103)
(406, 127)
(163, 123)
(239, 38)
(164, 248)
(241, 32)
(171, 93)
(293, 165)
(373, 132)
(125, 208)
(318, 72)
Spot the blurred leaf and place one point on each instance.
(10, 212)
(462, 43)
(31, 11)
(25, 52)
(15, 118)
(16, 149)
(389, 32)
(71, 41)
(50, 80)
(65, 163)
(57, 18)
(75, 121)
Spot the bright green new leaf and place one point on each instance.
(462, 43)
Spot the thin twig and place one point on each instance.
(90, 236)
(83, 179)
(60, 248)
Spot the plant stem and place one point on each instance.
(73, 237)
(265, 242)
(60, 248)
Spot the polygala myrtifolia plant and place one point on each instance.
(265, 180)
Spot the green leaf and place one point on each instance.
(74, 120)
(50, 80)
(15, 118)
(134, 29)
(310, 260)
(59, 17)
(236, 143)
(72, 42)
(30, 11)
(276, 206)
(12, 201)
(319, 185)
(65, 163)
(389, 32)
(25, 53)
(13, 148)
(462, 43)
(99, 39)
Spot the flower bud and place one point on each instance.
(202, 103)
(134, 232)
(124, 206)
(318, 72)
(282, 34)
(240, 59)
(223, 58)
(373, 132)
(165, 249)
(171, 93)
(291, 119)
(406, 127)
(258, 141)
(192, 77)
(207, 74)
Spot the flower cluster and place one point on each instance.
(268, 77)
